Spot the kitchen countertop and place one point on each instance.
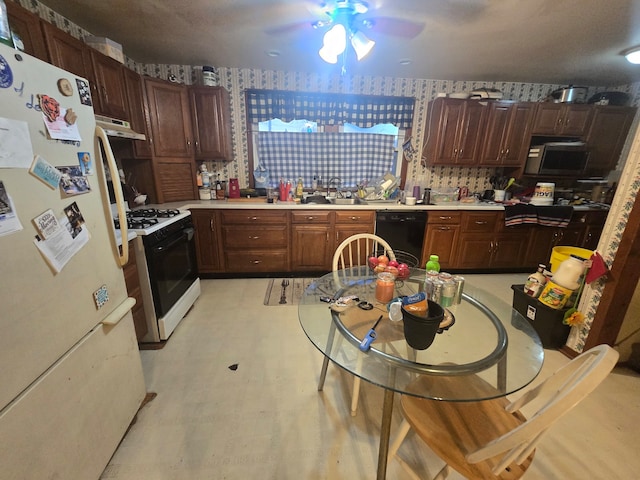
(260, 203)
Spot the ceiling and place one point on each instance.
(531, 41)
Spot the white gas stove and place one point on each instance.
(145, 221)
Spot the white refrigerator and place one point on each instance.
(71, 377)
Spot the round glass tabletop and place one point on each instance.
(490, 350)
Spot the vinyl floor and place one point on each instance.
(237, 399)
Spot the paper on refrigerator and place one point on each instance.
(15, 144)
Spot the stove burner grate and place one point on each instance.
(139, 222)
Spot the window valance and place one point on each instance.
(329, 108)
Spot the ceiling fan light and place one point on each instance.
(334, 43)
(633, 56)
(361, 44)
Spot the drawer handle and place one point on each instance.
(255, 262)
(253, 237)
(479, 222)
(444, 228)
(444, 218)
(311, 218)
(252, 218)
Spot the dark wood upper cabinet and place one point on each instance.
(453, 135)
(562, 119)
(110, 89)
(27, 26)
(607, 135)
(170, 118)
(505, 141)
(68, 53)
(138, 113)
(210, 109)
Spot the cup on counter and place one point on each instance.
(270, 195)
(498, 195)
(410, 200)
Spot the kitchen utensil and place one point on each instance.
(570, 94)
(283, 295)
(509, 183)
(370, 336)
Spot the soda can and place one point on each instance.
(459, 281)
(448, 293)
(436, 292)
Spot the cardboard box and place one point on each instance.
(546, 321)
(106, 46)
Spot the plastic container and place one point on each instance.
(208, 76)
(543, 193)
(419, 332)
(385, 285)
(555, 296)
(560, 254)
(546, 321)
(569, 272)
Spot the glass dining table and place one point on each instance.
(485, 348)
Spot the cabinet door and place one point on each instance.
(441, 240)
(132, 280)
(210, 110)
(475, 250)
(547, 119)
(174, 179)
(110, 86)
(576, 120)
(592, 236)
(509, 250)
(445, 134)
(516, 143)
(207, 244)
(137, 112)
(498, 116)
(68, 53)
(27, 26)
(606, 137)
(469, 138)
(312, 247)
(170, 118)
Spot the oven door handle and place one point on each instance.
(187, 232)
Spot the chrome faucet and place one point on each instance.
(337, 181)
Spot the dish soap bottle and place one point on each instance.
(535, 282)
(433, 263)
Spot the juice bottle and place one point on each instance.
(433, 263)
(535, 282)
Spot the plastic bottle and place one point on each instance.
(5, 31)
(299, 188)
(569, 272)
(314, 183)
(433, 263)
(219, 189)
(535, 282)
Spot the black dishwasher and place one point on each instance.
(404, 231)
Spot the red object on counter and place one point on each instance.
(234, 188)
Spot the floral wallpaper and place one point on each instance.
(424, 90)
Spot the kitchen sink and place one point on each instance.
(348, 201)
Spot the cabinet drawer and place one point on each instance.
(479, 222)
(355, 216)
(310, 216)
(443, 218)
(264, 237)
(253, 216)
(257, 261)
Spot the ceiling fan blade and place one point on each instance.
(289, 28)
(392, 26)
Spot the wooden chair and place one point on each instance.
(355, 251)
(492, 439)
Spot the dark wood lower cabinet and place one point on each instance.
(208, 253)
(132, 280)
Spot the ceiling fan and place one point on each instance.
(347, 21)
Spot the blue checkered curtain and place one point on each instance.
(351, 156)
(329, 108)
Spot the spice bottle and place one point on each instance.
(219, 189)
(299, 188)
(433, 263)
(535, 282)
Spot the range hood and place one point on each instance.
(118, 128)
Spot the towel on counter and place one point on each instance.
(527, 214)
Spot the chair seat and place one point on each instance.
(454, 429)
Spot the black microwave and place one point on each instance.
(557, 158)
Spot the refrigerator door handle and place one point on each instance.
(120, 312)
(117, 189)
